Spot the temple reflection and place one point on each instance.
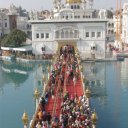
(95, 78)
(124, 74)
(17, 73)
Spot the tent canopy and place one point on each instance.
(21, 49)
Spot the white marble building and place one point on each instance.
(110, 29)
(10, 18)
(24, 25)
(125, 24)
(72, 23)
(4, 22)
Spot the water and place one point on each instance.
(108, 82)
(109, 86)
(17, 84)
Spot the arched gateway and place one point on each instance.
(64, 43)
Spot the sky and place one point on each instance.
(47, 4)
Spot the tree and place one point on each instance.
(14, 39)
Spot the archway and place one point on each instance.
(64, 43)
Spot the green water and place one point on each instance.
(17, 84)
(108, 82)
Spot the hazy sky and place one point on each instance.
(47, 4)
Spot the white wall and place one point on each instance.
(125, 24)
(83, 43)
(4, 20)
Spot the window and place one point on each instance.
(42, 35)
(47, 35)
(37, 35)
(108, 31)
(43, 48)
(87, 34)
(98, 34)
(93, 48)
(78, 7)
(27, 26)
(109, 24)
(5, 24)
(71, 6)
(93, 34)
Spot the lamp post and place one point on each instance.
(48, 68)
(88, 94)
(36, 95)
(25, 119)
(94, 119)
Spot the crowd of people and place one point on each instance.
(74, 111)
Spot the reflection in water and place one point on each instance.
(108, 82)
(124, 75)
(14, 73)
(95, 75)
(17, 82)
(109, 85)
(18, 73)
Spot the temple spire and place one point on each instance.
(57, 4)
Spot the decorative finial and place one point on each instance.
(25, 118)
(36, 93)
(88, 92)
(81, 68)
(79, 61)
(48, 68)
(83, 77)
(94, 117)
(43, 77)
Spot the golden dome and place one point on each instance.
(73, 1)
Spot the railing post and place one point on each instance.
(25, 119)
(88, 94)
(36, 95)
(94, 119)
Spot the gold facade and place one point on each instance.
(73, 1)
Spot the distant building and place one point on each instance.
(110, 30)
(105, 14)
(125, 23)
(5, 22)
(14, 17)
(22, 24)
(73, 23)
